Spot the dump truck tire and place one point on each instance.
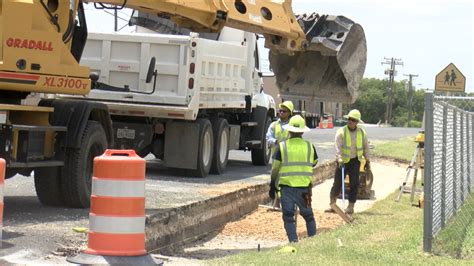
(48, 186)
(262, 155)
(205, 149)
(221, 146)
(77, 176)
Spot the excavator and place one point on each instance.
(322, 56)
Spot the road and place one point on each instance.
(32, 232)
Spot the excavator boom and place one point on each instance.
(311, 55)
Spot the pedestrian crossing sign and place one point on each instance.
(450, 79)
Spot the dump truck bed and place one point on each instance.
(191, 72)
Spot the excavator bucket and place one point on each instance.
(331, 66)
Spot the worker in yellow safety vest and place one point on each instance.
(352, 149)
(292, 170)
(275, 132)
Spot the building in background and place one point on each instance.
(310, 108)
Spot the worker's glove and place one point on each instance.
(340, 163)
(272, 191)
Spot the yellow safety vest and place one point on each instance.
(297, 159)
(281, 134)
(346, 143)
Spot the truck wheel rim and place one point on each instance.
(206, 148)
(223, 147)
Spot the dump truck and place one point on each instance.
(185, 99)
(57, 137)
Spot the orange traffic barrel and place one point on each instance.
(2, 183)
(330, 124)
(117, 212)
(321, 123)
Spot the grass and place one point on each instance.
(467, 251)
(457, 239)
(389, 233)
(402, 149)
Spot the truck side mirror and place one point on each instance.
(94, 76)
(151, 70)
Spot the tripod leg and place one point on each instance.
(413, 187)
(397, 199)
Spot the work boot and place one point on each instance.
(350, 209)
(330, 210)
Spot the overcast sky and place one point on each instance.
(426, 35)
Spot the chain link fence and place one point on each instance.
(448, 227)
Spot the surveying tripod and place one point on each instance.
(416, 163)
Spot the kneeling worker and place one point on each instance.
(292, 170)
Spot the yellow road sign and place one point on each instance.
(450, 79)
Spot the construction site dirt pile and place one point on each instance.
(267, 224)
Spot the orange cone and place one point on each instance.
(117, 213)
(330, 125)
(321, 123)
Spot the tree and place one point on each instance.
(418, 104)
(372, 102)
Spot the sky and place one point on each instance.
(426, 35)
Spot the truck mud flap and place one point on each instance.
(331, 66)
(181, 145)
(259, 115)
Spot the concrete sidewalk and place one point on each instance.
(388, 176)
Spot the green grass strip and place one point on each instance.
(402, 149)
(390, 233)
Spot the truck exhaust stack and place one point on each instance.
(331, 66)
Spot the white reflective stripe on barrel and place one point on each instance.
(117, 225)
(115, 188)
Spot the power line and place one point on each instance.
(391, 72)
(117, 14)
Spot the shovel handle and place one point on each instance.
(343, 186)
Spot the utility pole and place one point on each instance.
(410, 95)
(391, 75)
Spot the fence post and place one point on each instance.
(428, 203)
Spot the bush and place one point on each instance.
(399, 121)
(414, 123)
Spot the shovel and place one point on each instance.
(336, 208)
(343, 188)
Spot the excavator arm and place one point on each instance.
(311, 55)
(273, 19)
